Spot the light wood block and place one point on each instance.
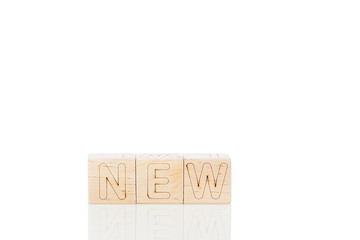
(111, 178)
(159, 178)
(207, 178)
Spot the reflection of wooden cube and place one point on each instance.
(159, 222)
(111, 178)
(159, 178)
(207, 178)
(207, 221)
(112, 221)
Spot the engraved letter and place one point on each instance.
(157, 185)
(207, 176)
(115, 177)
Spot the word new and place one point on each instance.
(159, 178)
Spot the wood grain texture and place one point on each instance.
(207, 178)
(159, 178)
(111, 178)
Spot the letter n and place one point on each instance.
(112, 181)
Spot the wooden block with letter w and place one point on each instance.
(111, 178)
(207, 178)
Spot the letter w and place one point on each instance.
(207, 176)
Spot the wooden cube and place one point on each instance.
(111, 178)
(207, 178)
(159, 178)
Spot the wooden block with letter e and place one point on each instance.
(111, 178)
(159, 178)
(207, 178)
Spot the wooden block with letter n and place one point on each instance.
(159, 178)
(111, 178)
(207, 178)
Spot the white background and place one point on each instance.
(275, 84)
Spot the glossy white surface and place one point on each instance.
(159, 222)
